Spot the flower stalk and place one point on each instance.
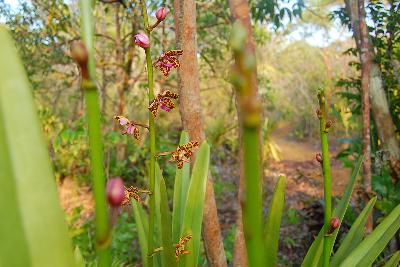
(325, 126)
(250, 108)
(87, 65)
(152, 135)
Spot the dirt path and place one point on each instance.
(303, 172)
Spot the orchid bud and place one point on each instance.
(318, 157)
(318, 112)
(81, 56)
(115, 191)
(142, 40)
(333, 225)
(79, 53)
(161, 13)
(328, 124)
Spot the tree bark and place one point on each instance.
(192, 119)
(240, 11)
(379, 103)
(365, 59)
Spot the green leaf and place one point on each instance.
(182, 178)
(314, 253)
(168, 251)
(354, 236)
(370, 248)
(142, 224)
(394, 260)
(32, 221)
(80, 261)
(193, 215)
(272, 227)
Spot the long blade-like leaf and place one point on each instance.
(32, 222)
(314, 253)
(166, 227)
(394, 260)
(272, 227)
(193, 216)
(354, 236)
(182, 178)
(370, 248)
(142, 225)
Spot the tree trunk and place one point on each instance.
(192, 120)
(365, 59)
(379, 103)
(240, 11)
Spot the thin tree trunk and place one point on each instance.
(365, 59)
(119, 58)
(379, 103)
(240, 11)
(192, 120)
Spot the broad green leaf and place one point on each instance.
(142, 225)
(182, 178)
(314, 253)
(370, 248)
(32, 222)
(354, 236)
(168, 251)
(272, 227)
(394, 260)
(193, 215)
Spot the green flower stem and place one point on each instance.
(152, 130)
(250, 123)
(103, 235)
(326, 168)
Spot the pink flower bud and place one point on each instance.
(318, 157)
(142, 40)
(115, 191)
(161, 13)
(334, 223)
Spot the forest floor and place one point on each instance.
(304, 192)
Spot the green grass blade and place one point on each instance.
(272, 227)
(193, 215)
(354, 236)
(32, 222)
(181, 185)
(142, 223)
(394, 260)
(313, 257)
(80, 261)
(370, 248)
(166, 227)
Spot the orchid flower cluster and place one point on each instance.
(118, 194)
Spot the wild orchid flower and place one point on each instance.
(131, 127)
(168, 60)
(133, 192)
(180, 247)
(163, 101)
(182, 153)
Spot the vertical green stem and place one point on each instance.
(152, 130)
(103, 236)
(250, 122)
(326, 168)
